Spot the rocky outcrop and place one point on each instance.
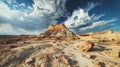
(46, 61)
(61, 61)
(59, 30)
(56, 27)
(85, 46)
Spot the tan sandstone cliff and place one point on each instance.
(58, 30)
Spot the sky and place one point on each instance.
(81, 16)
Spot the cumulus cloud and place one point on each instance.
(56, 8)
(82, 22)
(19, 18)
(31, 20)
(8, 29)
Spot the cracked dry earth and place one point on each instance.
(58, 53)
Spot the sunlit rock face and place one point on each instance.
(56, 27)
(85, 46)
(58, 30)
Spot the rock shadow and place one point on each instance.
(99, 48)
(102, 64)
(73, 62)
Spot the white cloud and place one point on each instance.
(35, 19)
(82, 22)
(11, 1)
(7, 29)
(22, 5)
(98, 24)
(53, 8)
(43, 13)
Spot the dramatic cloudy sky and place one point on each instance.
(81, 16)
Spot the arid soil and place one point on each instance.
(58, 52)
(87, 50)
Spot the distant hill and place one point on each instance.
(58, 30)
(108, 34)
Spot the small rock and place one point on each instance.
(64, 60)
(93, 56)
(12, 46)
(30, 60)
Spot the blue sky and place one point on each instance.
(81, 16)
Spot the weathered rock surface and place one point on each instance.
(85, 46)
(59, 30)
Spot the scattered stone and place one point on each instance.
(61, 61)
(93, 56)
(64, 59)
(30, 60)
(12, 46)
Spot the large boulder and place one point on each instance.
(85, 46)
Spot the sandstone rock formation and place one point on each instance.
(85, 46)
(59, 30)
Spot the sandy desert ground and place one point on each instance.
(101, 49)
